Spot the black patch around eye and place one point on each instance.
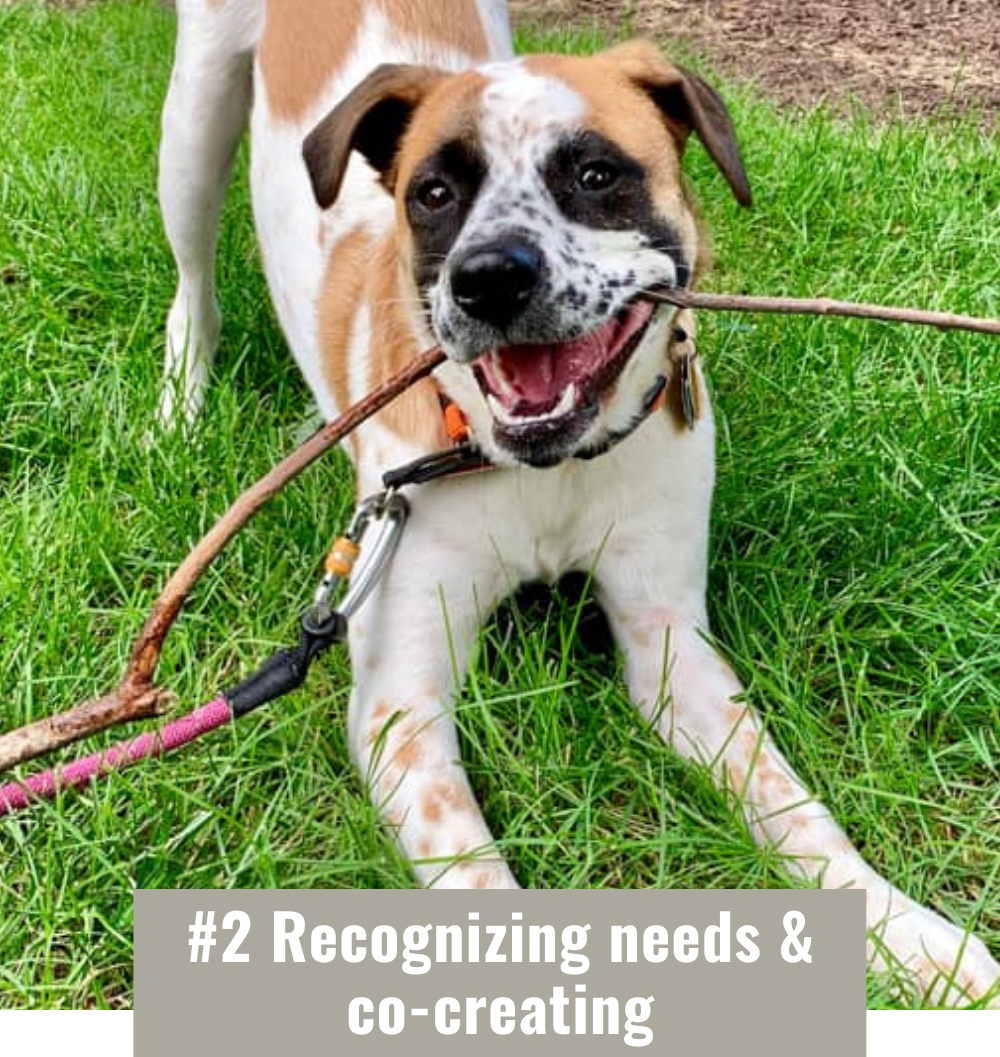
(625, 205)
(459, 165)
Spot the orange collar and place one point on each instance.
(456, 425)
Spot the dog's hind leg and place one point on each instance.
(204, 116)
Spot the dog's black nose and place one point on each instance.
(494, 283)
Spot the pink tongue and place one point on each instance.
(534, 377)
(529, 379)
(537, 374)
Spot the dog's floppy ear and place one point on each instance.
(688, 103)
(372, 120)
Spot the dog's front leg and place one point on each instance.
(410, 646)
(692, 697)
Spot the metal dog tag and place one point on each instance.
(683, 352)
(689, 400)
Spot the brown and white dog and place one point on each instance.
(414, 185)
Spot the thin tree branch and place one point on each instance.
(136, 697)
(822, 306)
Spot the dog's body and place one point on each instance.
(531, 205)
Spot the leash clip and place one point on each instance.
(323, 625)
(390, 513)
(358, 557)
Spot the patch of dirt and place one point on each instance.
(906, 57)
(913, 56)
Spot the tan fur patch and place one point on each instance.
(642, 637)
(777, 788)
(342, 288)
(380, 714)
(360, 269)
(477, 874)
(455, 24)
(306, 41)
(445, 795)
(431, 809)
(742, 756)
(415, 415)
(410, 751)
(381, 711)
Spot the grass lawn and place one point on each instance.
(855, 562)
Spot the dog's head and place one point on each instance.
(537, 201)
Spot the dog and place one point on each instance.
(415, 185)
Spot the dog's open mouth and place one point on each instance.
(526, 384)
(541, 385)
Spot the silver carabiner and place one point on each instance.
(369, 508)
(385, 513)
(360, 556)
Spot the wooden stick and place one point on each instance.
(136, 697)
(822, 306)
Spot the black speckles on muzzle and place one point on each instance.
(596, 184)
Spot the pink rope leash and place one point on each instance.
(45, 784)
(282, 672)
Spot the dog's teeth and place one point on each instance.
(566, 401)
(500, 413)
(566, 404)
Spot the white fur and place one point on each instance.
(637, 516)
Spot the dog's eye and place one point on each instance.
(434, 195)
(597, 176)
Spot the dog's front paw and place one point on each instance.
(947, 966)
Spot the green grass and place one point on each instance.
(855, 564)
